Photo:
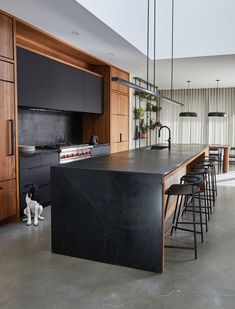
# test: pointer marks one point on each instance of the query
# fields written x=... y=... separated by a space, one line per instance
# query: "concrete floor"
x=32 y=277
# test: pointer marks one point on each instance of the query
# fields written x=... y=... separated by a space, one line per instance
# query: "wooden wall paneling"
x=7 y=71
x=40 y=42
x=8 y=200
x=6 y=36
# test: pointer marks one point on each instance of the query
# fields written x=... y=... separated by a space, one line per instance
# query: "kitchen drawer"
x=96 y=151
x=7 y=199
x=30 y=162
x=105 y=149
x=50 y=158
x=38 y=175
x=6 y=71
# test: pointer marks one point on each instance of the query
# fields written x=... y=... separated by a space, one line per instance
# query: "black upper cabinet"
x=67 y=87
x=93 y=102
x=48 y=84
x=33 y=79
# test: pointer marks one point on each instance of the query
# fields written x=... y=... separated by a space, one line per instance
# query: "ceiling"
x=203 y=54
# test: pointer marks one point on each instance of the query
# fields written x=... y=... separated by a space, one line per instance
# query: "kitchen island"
x=110 y=209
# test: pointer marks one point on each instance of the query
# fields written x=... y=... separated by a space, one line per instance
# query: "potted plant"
x=144 y=127
x=156 y=108
x=138 y=112
x=152 y=125
x=149 y=107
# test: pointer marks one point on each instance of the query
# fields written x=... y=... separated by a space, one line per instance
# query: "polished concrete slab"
x=32 y=277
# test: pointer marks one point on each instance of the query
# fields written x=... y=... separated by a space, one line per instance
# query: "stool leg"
x=167 y=202
x=200 y=215
x=175 y=213
x=194 y=229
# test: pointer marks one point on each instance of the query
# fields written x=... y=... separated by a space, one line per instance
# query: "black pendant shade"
x=187 y=114
x=217 y=114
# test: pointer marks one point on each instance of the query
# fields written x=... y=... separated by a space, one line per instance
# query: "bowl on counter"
x=27 y=148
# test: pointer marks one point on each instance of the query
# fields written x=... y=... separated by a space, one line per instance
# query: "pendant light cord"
x=148 y=9
x=172 y=44
x=217 y=94
x=154 y=47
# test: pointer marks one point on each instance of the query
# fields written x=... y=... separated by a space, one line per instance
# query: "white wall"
x=202 y=27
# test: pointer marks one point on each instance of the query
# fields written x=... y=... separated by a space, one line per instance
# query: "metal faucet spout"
x=169 y=138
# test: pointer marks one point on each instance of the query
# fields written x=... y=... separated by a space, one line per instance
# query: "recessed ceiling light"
x=75 y=33
x=111 y=54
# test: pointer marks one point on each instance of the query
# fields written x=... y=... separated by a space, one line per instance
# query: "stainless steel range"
x=75 y=152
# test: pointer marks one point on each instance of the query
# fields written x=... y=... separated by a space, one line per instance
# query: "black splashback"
x=41 y=127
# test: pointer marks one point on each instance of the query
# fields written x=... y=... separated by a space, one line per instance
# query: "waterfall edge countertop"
x=142 y=160
x=110 y=209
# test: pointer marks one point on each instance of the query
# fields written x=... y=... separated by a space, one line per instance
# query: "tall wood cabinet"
x=8 y=183
x=119 y=107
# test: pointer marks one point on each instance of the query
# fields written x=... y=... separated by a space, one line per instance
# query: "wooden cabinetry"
x=8 y=159
x=118 y=87
x=119 y=107
x=7 y=199
x=6 y=37
x=7 y=131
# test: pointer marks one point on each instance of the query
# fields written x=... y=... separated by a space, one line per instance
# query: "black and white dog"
x=33 y=208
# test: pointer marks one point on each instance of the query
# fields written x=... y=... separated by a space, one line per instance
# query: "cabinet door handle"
x=120 y=137
x=11 y=137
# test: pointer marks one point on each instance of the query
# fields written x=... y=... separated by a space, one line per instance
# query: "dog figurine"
x=33 y=208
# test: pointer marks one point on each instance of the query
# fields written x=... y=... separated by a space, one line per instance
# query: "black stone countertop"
x=143 y=160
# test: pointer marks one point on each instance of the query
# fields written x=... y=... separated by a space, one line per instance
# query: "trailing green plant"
x=139 y=112
x=144 y=127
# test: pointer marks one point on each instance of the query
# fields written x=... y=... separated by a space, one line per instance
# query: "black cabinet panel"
x=93 y=94
x=48 y=84
x=67 y=87
x=29 y=162
x=37 y=170
x=33 y=79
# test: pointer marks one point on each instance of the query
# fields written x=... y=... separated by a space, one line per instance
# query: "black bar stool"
x=202 y=197
x=208 y=189
x=183 y=192
x=211 y=164
x=211 y=176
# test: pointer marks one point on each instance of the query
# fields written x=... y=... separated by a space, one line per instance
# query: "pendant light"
x=217 y=114
x=188 y=113
x=141 y=89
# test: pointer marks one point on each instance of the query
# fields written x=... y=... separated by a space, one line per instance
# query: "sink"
x=158 y=147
